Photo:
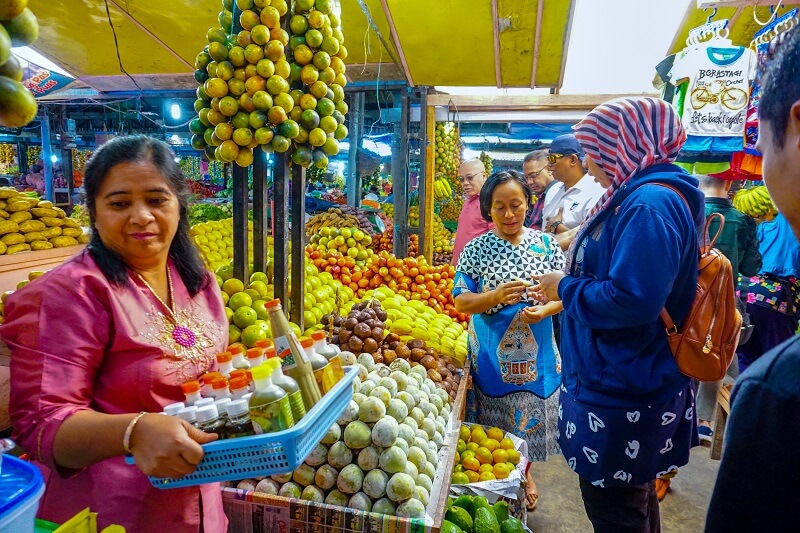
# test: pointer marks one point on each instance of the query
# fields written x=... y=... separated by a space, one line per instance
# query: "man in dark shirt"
x=759 y=475
x=538 y=176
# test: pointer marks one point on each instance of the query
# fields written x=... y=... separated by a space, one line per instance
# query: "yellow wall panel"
x=354 y=27
x=517 y=32
x=555 y=23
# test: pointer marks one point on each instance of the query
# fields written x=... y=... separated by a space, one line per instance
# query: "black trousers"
x=622 y=509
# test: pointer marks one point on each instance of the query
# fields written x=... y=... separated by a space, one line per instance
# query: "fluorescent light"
x=177 y=159
x=29 y=55
x=54 y=158
x=175 y=111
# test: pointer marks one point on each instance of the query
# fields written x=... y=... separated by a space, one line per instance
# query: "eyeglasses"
x=468 y=177
x=534 y=175
x=552 y=158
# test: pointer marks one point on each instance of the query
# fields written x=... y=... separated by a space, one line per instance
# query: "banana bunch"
x=332 y=218
x=487 y=162
x=755 y=202
x=34 y=154
x=441 y=188
x=6 y=153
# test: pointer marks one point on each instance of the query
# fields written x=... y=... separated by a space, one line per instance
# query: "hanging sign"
x=41 y=81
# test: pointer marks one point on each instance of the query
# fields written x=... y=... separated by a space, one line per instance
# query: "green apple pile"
x=319 y=295
x=382 y=454
x=318 y=53
x=18 y=27
x=243 y=99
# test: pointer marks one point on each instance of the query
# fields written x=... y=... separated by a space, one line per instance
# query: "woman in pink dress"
x=102 y=343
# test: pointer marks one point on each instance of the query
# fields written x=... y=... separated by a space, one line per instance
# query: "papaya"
x=485 y=521
x=500 y=509
x=465 y=502
x=449 y=527
x=460 y=517
x=512 y=525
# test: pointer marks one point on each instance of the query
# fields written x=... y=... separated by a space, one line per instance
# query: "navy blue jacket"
x=640 y=255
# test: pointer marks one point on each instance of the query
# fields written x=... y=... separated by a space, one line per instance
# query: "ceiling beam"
x=705 y=4
x=151 y=35
x=525 y=103
x=537 y=39
x=396 y=40
x=498 y=77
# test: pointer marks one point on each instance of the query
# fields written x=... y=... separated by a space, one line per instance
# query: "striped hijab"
x=624 y=137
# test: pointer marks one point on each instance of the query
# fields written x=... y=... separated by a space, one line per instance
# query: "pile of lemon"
x=483 y=455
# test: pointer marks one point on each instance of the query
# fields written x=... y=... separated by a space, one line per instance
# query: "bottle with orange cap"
x=219 y=388
x=323 y=372
x=225 y=363
x=255 y=356
x=238 y=386
x=297 y=364
x=191 y=389
x=239 y=360
x=288 y=384
x=207 y=378
x=330 y=353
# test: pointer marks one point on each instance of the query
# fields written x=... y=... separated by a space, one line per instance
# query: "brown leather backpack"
x=707 y=345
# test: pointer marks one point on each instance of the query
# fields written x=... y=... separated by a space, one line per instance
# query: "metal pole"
x=425 y=194
x=241 y=256
x=298 y=244
x=400 y=181
x=260 y=203
x=46 y=157
x=356 y=132
x=280 y=216
x=22 y=157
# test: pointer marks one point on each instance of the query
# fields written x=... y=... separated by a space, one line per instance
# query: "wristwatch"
x=554 y=226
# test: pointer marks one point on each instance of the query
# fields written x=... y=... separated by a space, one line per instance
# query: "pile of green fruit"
x=18 y=27
x=473 y=514
x=447 y=151
x=318 y=54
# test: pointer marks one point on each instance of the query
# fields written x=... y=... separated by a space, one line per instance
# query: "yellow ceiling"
x=443 y=42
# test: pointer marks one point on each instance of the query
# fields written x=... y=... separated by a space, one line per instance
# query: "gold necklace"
x=182 y=335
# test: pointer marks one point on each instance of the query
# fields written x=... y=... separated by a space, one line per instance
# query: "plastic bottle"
x=173 y=408
x=238 y=387
x=323 y=372
x=239 y=360
x=297 y=365
x=288 y=384
x=239 y=423
x=247 y=396
x=238 y=372
x=222 y=408
x=255 y=356
x=225 y=363
x=189 y=414
x=191 y=389
x=208 y=420
x=220 y=389
x=208 y=400
x=207 y=378
x=269 y=405
x=331 y=353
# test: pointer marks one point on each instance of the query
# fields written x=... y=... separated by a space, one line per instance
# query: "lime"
x=338 y=92
x=252 y=334
x=317 y=137
x=265 y=68
x=262 y=100
x=320 y=159
x=242 y=136
x=325 y=107
x=285 y=101
x=330 y=45
x=328 y=124
x=296 y=94
x=340 y=133
x=238 y=299
x=309 y=74
x=244 y=316
x=236 y=87
x=263 y=136
x=302 y=136
x=202 y=60
x=289 y=129
x=302 y=156
x=234 y=334
x=331 y=146
x=257 y=119
x=259 y=35
x=225 y=272
x=295 y=41
x=301 y=6
x=200 y=76
x=223 y=131
x=197 y=142
x=218 y=51
x=298 y=24
x=327 y=76
x=276 y=85
x=240 y=120
x=280 y=143
x=318 y=89
x=282 y=68
x=323 y=6
x=307 y=101
x=215 y=35
x=295 y=72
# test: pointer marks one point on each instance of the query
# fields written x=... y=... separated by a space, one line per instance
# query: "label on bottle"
x=281 y=344
x=288 y=362
x=297 y=405
x=325 y=378
x=272 y=417
x=336 y=365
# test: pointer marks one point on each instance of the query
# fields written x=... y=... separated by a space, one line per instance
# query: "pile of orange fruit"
x=483 y=455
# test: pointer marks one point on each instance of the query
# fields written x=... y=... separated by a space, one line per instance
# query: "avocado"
x=449 y=527
x=479 y=501
x=465 y=502
x=459 y=517
x=485 y=521
x=500 y=511
x=512 y=525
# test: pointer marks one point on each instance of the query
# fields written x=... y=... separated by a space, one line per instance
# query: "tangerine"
x=486 y=476
x=483 y=455
x=471 y=463
x=472 y=476
x=506 y=443
x=500 y=455
x=496 y=433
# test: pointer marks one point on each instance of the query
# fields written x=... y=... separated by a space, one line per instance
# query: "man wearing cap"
x=570 y=201
x=471 y=176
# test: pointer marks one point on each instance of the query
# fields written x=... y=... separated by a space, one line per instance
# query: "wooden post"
x=241 y=253
x=426 y=230
x=260 y=203
x=280 y=218
x=298 y=244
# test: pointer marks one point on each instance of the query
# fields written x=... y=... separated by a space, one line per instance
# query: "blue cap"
x=566 y=144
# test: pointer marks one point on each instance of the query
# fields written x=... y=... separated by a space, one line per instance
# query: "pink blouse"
x=78 y=343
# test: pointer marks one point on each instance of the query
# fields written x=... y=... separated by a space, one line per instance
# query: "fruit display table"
x=15 y=268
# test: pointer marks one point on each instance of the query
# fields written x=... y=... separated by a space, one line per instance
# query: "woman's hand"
x=547 y=289
x=534 y=314
x=509 y=293
x=166 y=446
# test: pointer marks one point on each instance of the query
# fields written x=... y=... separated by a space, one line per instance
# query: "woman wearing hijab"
x=626 y=413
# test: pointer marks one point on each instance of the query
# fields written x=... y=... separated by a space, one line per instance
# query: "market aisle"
x=683 y=511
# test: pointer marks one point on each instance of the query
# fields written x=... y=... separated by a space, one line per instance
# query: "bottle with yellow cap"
x=330 y=352
x=288 y=384
x=297 y=365
x=269 y=405
x=323 y=372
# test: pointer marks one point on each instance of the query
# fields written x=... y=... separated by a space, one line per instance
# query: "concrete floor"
x=560 y=508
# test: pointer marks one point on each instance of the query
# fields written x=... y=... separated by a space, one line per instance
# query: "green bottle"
x=288 y=384
x=269 y=405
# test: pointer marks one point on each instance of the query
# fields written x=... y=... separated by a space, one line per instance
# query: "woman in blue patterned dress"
x=516 y=367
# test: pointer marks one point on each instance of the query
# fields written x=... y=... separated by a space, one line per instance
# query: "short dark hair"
x=182 y=251
x=781 y=88
x=536 y=155
x=497 y=179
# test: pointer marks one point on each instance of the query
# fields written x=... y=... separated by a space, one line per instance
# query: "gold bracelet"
x=126 y=440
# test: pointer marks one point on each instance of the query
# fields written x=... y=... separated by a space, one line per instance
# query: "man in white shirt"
x=569 y=202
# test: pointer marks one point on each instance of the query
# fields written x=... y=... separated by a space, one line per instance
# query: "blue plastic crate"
x=270 y=453
x=21 y=488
